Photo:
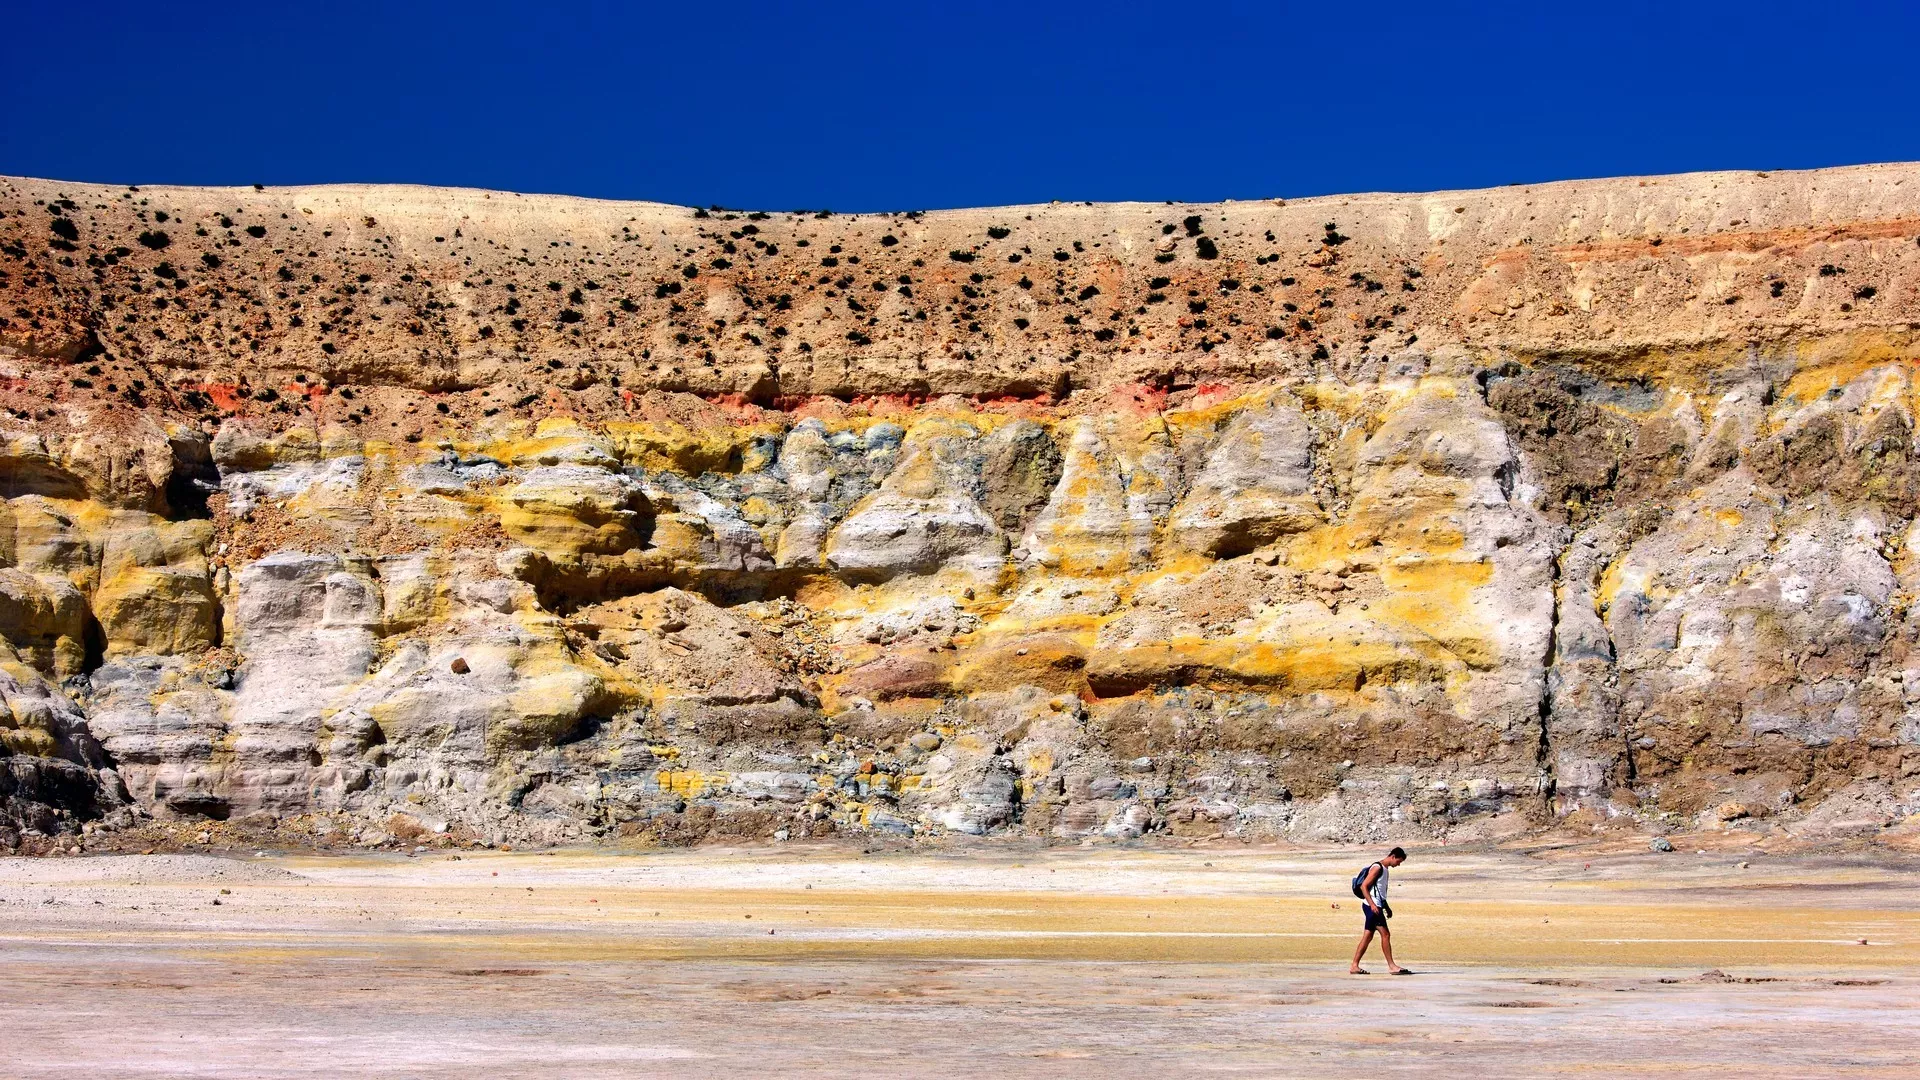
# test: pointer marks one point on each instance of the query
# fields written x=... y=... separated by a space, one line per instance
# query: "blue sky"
x=865 y=106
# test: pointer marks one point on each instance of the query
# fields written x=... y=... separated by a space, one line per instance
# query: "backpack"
x=1360 y=881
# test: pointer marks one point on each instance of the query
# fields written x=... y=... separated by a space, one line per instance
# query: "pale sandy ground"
x=783 y=962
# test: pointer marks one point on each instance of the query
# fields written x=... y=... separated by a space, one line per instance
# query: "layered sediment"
x=384 y=511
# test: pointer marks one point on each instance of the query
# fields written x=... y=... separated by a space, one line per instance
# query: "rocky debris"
x=1256 y=485
x=1101 y=517
x=1530 y=516
x=53 y=776
x=46 y=619
x=924 y=517
x=1021 y=468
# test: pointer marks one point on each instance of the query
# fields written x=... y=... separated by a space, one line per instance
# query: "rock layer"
x=1438 y=515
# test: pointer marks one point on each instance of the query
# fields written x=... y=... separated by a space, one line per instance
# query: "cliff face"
x=1433 y=515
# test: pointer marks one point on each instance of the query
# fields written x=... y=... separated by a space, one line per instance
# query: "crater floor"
x=1009 y=960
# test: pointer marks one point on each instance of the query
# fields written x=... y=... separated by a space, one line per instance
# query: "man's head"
x=1395 y=857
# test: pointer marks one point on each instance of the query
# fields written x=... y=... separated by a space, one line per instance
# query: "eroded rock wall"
x=1450 y=515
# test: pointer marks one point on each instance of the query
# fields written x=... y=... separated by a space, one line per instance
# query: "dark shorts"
x=1375 y=920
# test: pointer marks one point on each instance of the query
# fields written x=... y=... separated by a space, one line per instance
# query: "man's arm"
x=1366 y=885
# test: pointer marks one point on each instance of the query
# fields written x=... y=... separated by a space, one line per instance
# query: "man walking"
x=1372 y=887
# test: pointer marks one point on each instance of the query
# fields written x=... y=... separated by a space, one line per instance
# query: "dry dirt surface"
x=792 y=962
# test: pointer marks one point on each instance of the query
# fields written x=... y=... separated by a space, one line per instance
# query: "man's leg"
x=1360 y=950
x=1386 y=948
